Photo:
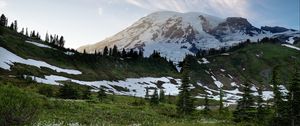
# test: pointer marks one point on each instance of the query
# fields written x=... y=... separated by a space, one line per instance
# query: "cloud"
x=100 y=11
x=3 y=4
x=222 y=8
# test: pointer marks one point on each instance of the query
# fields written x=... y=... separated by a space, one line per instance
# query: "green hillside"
x=257 y=60
x=94 y=68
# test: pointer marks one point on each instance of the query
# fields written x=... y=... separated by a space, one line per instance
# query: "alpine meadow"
x=150 y=63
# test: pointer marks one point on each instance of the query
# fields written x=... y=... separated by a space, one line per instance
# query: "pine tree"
x=105 y=51
x=294 y=99
x=61 y=42
x=147 y=93
x=3 y=20
x=12 y=25
x=101 y=94
x=206 y=105
x=162 y=98
x=123 y=54
x=15 y=25
x=277 y=94
x=170 y=99
x=141 y=53
x=244 y=110
x=154 y=98
x=47 y=39
x=26 y=32
x=22 y=31
x=115 y=51
x=185 y=103
x=38 y=35
x=67 y=91
x=221 y=106
x=86 y=94
x=261 y=114
x=110 y=52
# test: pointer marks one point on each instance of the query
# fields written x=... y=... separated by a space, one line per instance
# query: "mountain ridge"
x=176 y=34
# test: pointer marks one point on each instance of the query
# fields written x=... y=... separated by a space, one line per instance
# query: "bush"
x=68 y=91
x=17 y=107
x=46 y=90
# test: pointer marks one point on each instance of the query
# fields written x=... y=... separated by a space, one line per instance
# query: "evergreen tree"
x=244 y=110
x=154 y=98
x=15 y=25
x=47 y=39
x=110 y=52
x=101 y=94
x=67 y=91
x=105 y=51
x=277 y=94
x=33 y=34
x=147 y=93
x=170 y=99
x=130 y=53
x=61 y=42
x=38 y=36
x=3 y=20
x=261 y=113
x=22 y=31
x=86 y=93
x=26 y=32
x=162 y=98
x=221 y=106
x=115 y=51
x=280 y=107
x=12 y=25
x=141 y=53
x=185 y=103
x=294 y=99
x=206 y=105
x=123 y=54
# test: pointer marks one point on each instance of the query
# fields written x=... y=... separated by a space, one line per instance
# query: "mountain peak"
x=175 y=34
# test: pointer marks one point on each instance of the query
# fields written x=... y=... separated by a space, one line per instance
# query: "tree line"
x=53 y=40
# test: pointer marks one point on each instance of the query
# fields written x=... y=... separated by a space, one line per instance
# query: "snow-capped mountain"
x=176 y=34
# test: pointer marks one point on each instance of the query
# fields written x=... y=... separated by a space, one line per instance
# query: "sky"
x=84 y=22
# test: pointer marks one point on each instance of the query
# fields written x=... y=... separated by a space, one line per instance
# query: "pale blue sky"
x=89 y=21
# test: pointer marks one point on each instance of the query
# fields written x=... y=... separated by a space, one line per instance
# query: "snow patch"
x=69 y=53
x=218 y=83
x=233 y=84
x=291 y=40
x=39 y=44
x=204 y=61
x=290 y=46
x=135 y=86
x=7 y=59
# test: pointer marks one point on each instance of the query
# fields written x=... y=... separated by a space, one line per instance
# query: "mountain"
x=176 y=34
x=26 y=61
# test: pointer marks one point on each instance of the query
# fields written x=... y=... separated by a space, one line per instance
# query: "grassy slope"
x=256 y=68
x=105 y=68
x=120 y=111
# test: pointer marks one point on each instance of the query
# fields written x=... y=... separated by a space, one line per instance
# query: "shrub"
x=46 y=90
x=17 y=107
x=68 y=91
